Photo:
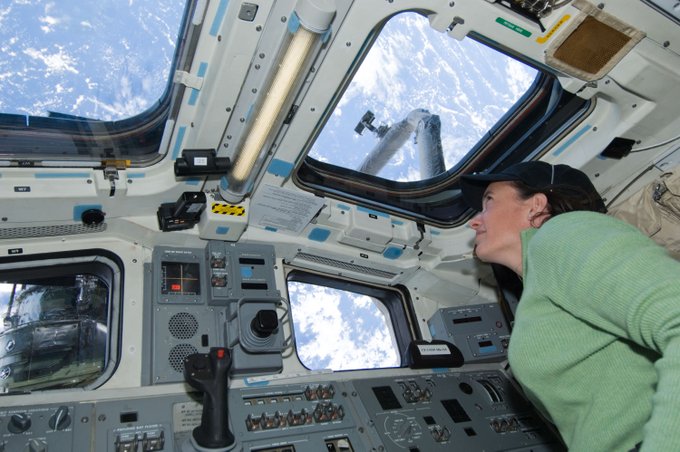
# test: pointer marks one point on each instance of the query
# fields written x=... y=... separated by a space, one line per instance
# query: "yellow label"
x=228 y=209
x=543 y=39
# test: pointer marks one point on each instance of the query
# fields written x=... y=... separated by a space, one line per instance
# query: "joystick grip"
x=209 y=373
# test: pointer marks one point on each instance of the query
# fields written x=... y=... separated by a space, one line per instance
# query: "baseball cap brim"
x=473 y=186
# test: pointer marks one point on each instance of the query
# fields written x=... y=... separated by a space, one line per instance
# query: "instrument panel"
x=466 y=411
x=224 y=296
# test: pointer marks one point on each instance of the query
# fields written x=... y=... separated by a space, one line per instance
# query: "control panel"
x=220 y=303
x=479 y=331
x=467 y=411
x=222 y=295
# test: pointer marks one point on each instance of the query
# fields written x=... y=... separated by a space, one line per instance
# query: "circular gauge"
x=402 y=429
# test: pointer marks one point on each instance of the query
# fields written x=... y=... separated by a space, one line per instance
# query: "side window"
x=56 y=329
x=345 y=326
x=90 y=83
x=419 y=102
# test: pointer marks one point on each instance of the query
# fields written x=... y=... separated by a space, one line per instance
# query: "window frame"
x=437 y=201
x=395 y=300
x=98 y=262
x=60 y=138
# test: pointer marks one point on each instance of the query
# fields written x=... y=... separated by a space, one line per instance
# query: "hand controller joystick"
x=208 y=372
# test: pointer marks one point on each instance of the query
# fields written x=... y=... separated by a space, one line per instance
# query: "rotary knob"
x=19 y=423
x=60 y=420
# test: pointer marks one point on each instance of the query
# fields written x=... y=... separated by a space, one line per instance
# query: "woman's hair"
x=562 y=198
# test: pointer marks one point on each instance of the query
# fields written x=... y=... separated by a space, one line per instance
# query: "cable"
x=656 y=145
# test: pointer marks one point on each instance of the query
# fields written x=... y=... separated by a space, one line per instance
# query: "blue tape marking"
x=219 y=17
x=319 y=234
x=397 y=222
x=61 y=175
x=249 y=112
x=224 y=183
x=256 y=383
x=326 y=36
x=280 y=168
x=78 y=210
x=178 y=143
x=271 y=229
x=571 y=140
x=434 y=232
x=193 y=181
x=222 y=230
x=371 y=211
x=202 y=69
x=246 y=272
x=439 y=370
x=293 y=22
x=136 y=175
x=393 y=253
x=343 y=207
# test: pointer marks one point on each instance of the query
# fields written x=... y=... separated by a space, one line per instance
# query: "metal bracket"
x=188 y=80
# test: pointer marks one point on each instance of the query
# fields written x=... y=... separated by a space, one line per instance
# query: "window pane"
x=413 y=81
x=54 y=331
x=105 y=60
x=341 y=330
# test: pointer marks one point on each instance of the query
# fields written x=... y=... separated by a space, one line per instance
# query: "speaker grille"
x=177 y=355
x=49 y=231
x=183 y=325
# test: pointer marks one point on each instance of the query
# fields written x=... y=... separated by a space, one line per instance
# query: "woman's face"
x=504 y=215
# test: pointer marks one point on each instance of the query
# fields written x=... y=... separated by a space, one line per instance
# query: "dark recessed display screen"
x=180 y=278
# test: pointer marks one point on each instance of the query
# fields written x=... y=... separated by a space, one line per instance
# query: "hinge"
x=188 y=80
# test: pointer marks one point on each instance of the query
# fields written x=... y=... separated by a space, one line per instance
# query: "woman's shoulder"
x=588 y=229
x=586 y=221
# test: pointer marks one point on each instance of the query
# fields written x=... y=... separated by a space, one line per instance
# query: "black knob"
x=265 y=323
x=92 y=217
x=19 y=423
x=60 y=419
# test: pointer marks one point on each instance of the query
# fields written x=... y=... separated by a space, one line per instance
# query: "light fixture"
x=308 y=23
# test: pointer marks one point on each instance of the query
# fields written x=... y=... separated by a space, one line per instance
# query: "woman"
x=596 y=338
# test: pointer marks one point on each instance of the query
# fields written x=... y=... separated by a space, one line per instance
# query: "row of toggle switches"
x=323 y=412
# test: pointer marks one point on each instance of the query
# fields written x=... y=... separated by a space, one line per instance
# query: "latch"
x=111 y=168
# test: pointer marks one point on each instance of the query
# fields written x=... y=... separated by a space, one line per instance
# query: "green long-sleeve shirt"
x=596 y=340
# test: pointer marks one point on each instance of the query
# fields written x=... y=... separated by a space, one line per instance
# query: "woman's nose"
x=476 y=221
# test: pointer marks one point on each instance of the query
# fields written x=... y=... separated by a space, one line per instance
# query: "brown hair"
x=562 y=198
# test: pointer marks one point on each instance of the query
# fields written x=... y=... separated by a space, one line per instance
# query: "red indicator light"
x=175 y=287
x=220 y=353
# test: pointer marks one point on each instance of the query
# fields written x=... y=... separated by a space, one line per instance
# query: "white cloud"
x=49 y=22
x=331 y=333
x=56 y=62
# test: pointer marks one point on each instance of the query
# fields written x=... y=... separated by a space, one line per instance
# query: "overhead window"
x=419 y=108
x=419 y=102
x=341 y=325
x=86 y=83
x=58 y=323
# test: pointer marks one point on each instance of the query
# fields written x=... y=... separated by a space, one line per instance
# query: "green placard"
x=513 y=27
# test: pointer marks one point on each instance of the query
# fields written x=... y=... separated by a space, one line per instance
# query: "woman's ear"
x=539 y=205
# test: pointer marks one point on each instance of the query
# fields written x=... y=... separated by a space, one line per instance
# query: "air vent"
x=50 y=231
x=592 y=43
x=344 y=265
